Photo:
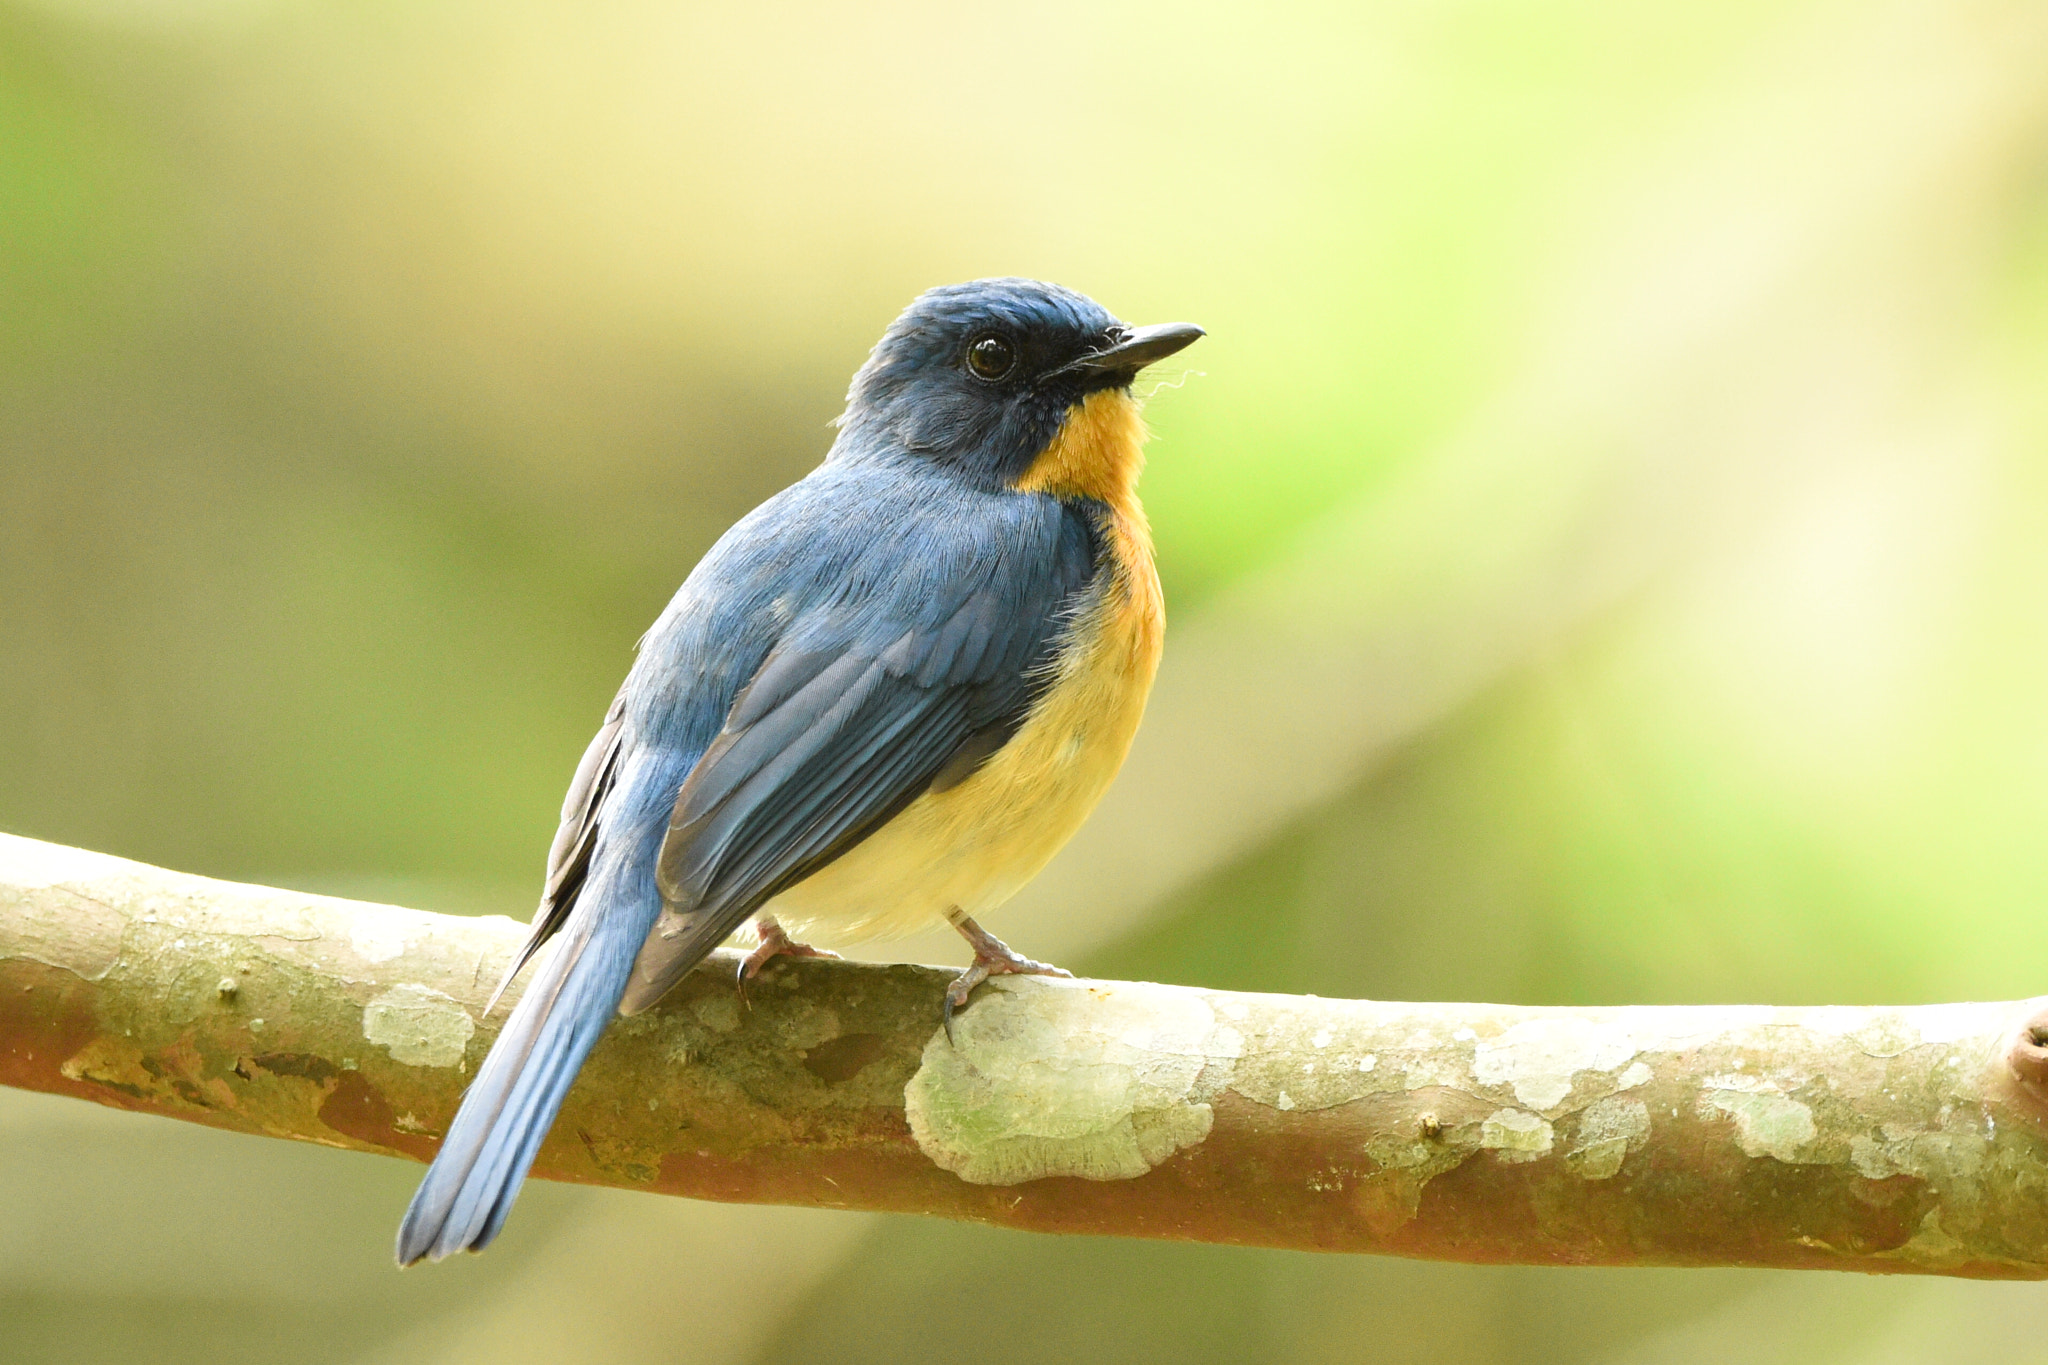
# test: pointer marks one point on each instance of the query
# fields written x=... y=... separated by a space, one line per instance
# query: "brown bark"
x=1883 y=1139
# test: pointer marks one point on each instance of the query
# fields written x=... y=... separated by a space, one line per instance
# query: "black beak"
x=1135 y=351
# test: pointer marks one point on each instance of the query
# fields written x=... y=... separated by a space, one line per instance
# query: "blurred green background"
x=1606 y=537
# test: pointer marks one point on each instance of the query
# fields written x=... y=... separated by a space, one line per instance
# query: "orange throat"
x=1098 y=453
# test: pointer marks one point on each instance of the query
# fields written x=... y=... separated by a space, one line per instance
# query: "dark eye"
x=991 y=357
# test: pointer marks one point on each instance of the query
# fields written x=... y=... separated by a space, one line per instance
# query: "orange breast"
x=1099 y=453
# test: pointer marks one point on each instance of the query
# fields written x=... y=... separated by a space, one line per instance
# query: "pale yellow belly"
x=969 y=848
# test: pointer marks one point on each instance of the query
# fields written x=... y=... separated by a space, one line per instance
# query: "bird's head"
x=1011 y=383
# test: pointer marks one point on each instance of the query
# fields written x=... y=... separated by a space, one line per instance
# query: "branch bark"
x=1882 y=1139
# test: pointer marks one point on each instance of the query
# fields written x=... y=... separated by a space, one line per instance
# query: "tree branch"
x=1882 y=1139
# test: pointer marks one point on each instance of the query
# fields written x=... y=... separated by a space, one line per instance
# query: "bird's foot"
x=992 y=957
x=774 y=943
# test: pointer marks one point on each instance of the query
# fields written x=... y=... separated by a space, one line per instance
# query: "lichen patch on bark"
x=1517 y=1135
x=1540 y=1058
x=1314 y=1055
x=1047 y=1077
x=419 y=1026
x=1767 y=1123
x=1608 y=1130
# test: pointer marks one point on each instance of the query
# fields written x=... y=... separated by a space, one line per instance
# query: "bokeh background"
x=1606 y=537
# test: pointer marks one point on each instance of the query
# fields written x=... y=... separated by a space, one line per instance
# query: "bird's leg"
x=774 y=943
x=992 y=957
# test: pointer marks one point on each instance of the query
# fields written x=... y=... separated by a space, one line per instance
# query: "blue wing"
x=865 y=702
x=859 y=638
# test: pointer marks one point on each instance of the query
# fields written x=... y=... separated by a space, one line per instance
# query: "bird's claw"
x=774 y=943
x=992 y=957
x=956 y=994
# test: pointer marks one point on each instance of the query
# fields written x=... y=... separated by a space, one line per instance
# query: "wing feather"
x=575 y=838
x=849 y=719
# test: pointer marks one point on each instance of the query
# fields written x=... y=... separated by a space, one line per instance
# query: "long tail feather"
x=467 y=1192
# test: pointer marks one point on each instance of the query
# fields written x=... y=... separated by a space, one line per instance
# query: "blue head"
x=981 y=377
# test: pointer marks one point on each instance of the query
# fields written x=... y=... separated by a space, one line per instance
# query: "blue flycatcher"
x=886 y=697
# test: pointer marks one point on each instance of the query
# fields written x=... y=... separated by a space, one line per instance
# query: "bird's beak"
x=1137 y=350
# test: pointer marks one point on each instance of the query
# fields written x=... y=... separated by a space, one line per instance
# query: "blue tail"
x=483 y=1161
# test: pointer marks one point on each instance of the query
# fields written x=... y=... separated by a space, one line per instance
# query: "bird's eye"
x=991 y=357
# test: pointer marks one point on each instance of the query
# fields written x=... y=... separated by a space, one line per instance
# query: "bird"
x=881 y=701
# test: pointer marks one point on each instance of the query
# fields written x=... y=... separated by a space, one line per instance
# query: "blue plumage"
x=870 y=636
